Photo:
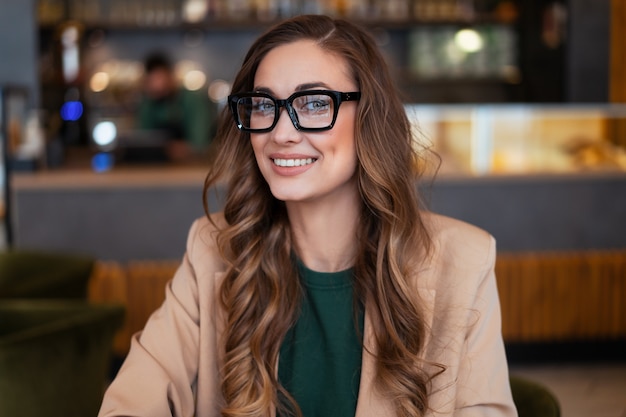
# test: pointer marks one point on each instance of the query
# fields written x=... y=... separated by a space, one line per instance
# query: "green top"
x=320 y=358
x=185 y=115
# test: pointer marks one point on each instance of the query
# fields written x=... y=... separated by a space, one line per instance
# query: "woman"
x=321 y=290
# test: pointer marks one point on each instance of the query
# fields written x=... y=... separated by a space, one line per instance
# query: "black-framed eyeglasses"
x=309 y=110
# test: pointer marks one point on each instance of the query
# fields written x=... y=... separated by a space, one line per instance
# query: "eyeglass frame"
x=338 y=97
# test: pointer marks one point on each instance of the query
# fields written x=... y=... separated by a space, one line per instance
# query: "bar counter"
x=561 y=241
x=144 y=212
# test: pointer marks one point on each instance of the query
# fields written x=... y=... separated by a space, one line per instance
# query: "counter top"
x=143 y=176
x=77 y=173
x=193 y=175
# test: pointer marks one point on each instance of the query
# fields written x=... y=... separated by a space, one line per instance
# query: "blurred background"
x=107 y=109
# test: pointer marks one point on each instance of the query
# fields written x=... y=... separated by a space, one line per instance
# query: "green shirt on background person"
x=184 y=115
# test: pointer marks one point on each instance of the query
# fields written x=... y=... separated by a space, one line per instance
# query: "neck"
x=325 y=234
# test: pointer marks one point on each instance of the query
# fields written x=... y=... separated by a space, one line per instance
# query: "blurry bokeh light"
x=102 y=162
x=99 y=81
x=70 y=54
x=219 y=90
x=104 y=134
x=183 y=67
x=468 y=40
x=194 y=80
x=71 y=111
x=195 y=10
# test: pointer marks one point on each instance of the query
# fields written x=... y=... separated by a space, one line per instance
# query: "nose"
x=285 y=131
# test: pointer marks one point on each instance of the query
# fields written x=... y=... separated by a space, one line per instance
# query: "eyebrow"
x=301 y=87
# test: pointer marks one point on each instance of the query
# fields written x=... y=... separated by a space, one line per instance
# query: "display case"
x=509 y=139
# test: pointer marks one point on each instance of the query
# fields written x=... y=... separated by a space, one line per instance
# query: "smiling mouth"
x=293 y=162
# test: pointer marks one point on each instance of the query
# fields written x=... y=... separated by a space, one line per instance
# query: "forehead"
x=289 y=66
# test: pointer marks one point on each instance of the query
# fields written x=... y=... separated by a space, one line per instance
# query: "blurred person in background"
x=186 y=119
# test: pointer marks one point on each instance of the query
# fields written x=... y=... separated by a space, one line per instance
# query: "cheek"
x=345 y=142
x=258 y=146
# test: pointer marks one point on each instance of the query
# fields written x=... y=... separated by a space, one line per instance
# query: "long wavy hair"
x=261 y=292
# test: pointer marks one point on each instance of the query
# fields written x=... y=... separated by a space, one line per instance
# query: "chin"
x=289 y=197
x=289 y=193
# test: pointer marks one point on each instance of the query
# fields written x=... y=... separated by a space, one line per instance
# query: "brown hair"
x=261 y=293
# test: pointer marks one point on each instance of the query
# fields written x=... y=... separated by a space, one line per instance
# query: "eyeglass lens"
x=312 y=111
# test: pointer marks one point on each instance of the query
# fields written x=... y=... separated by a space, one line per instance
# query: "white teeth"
x=293 y=162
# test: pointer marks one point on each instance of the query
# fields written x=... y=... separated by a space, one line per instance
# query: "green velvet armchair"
x=32 y=274
x=55 y=356
x=532 y=399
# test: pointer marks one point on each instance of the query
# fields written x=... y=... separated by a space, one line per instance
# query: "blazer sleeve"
x=483 y=379
x=158 y=376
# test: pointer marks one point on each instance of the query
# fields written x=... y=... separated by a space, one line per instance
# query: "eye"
x=313 y=104
x=263 y=105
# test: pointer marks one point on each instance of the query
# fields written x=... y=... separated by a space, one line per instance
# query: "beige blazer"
x=172 y=367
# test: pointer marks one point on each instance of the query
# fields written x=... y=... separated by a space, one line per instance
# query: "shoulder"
x=202 y=247
x=468 y=243
x=459 y=251
x=458 y=246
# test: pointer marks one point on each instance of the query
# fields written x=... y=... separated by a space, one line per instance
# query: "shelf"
x=450 y=81
x=256 y=25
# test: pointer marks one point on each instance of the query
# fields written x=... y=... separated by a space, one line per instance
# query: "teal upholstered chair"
x=533 y=399
x=55 y=356
x=31 y=274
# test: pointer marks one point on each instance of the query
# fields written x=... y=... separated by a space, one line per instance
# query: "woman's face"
x=320 y=166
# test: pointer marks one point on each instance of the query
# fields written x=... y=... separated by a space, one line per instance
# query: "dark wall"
x=574 y=66
x=588 y=52
x=18 y=46
x=542 y=64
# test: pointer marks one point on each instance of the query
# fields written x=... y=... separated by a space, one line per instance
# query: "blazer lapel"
x=372 y=403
